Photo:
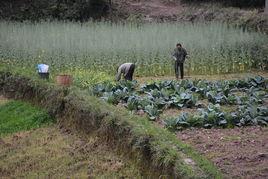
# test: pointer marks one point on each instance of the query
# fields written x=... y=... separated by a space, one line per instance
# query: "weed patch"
x=18 y=116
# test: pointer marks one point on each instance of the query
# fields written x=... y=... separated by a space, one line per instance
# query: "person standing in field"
x=127 y=69
x=179 y=56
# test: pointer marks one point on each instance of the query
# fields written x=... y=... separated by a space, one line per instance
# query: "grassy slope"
x=48 y=152
x=17 y=116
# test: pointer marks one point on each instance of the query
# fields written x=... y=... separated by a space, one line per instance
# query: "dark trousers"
x=129 y=74
x=44 y=75
x=177 y=66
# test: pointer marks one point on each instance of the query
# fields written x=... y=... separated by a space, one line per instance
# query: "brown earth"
x=238 y=153
x=52 y=152
x=143 y=80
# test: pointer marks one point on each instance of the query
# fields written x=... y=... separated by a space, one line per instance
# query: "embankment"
x=157 y=150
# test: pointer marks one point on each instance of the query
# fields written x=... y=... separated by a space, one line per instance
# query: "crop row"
x=248 y=96
x=102 y=46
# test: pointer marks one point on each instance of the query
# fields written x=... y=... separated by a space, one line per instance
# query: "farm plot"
x=214 y=104
x=237 y=152
x=84 y=50
x=32 y=146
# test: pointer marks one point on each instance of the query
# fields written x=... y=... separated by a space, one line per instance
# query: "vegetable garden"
x=91 y=52
x=247 y=101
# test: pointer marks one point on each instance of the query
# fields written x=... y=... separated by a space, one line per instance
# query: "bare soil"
x=143 y=80
x=238 y=153
x=51 y=152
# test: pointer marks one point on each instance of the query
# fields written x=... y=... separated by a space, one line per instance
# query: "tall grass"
x=214 y=48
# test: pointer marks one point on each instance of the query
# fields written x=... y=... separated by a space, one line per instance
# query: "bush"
x=53 y=9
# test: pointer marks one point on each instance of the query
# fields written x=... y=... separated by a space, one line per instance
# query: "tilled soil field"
x=239 y=152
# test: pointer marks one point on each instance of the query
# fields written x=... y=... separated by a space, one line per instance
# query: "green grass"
x=82 y=78
x=19 y=116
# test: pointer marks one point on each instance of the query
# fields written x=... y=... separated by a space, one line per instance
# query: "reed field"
x=213 y=48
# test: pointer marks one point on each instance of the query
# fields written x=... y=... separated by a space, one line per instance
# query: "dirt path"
x=143 y=80
x=238 y=152
x=51 y=152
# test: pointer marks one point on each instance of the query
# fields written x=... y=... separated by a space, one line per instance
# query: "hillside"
x=163 y=10
x=133 y=10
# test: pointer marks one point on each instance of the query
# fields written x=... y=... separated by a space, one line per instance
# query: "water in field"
x=213 y=48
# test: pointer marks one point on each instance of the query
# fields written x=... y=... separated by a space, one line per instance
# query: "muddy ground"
x=238 y=153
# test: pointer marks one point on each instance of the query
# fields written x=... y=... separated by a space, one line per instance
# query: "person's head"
x=178 y=45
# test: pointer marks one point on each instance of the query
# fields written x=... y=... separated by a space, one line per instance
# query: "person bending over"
x=179 y=56
x=127 y=69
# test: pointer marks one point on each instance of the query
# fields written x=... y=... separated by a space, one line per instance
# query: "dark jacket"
x=179 y=54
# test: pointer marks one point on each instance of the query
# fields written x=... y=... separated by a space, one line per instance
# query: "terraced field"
x=48 y=151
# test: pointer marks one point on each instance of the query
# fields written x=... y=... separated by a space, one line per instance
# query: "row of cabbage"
x=247 y=97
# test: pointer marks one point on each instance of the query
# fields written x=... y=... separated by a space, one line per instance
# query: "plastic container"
x=64 y=80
